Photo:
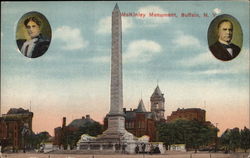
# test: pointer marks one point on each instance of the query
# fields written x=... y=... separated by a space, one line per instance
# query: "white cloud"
x=102 y=59
x=127 y=24
x=153 y=21
x=71 y=38
x=213 y=71
x=217 y=11
x=185 y=40
x=238 y=65
x=141 y=51
x=200 y=59
x=104 y=25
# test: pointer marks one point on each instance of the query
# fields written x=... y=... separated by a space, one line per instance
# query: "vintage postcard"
x=134 y=68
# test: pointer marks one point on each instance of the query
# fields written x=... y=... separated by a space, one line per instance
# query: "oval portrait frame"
x=212 y=37
x=33 y=47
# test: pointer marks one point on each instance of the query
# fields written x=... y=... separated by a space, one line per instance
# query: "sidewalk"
x=173 y=155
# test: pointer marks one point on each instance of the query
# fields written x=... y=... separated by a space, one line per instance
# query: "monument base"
x=128 y=148
x=142 y=145
x=115 y=138
x=116 y=131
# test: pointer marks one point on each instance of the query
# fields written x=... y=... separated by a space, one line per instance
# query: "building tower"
x=141 y=107
x=158 y=104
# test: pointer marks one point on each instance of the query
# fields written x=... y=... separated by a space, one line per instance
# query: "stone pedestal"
x=108 y=147
x=117 y=135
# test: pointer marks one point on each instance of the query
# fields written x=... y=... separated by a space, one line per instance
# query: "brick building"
x=139 y=121
x=75 y=125
x=13 y=126
x=188 y=114
x=3 y=131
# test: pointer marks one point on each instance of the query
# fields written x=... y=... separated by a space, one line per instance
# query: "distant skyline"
x=72 y=78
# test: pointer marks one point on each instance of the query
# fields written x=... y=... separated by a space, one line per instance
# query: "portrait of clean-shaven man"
x=34 y=35
x=224 y=47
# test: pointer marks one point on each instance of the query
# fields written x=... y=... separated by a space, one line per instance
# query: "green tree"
x=35 y=140
x=31 y=140
x=230 y=139
x=91 y=128
x=43 y=136
x=234 y=139
x=192 y=133
x=225 y=140
x=245 y=139
x=166 y=133
x=71 y=137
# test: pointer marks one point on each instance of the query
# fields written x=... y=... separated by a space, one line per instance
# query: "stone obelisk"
x=116 y=133
x=116 y=119
x=116 y=91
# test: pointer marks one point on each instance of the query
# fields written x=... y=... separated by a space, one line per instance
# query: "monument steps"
x=87 y=152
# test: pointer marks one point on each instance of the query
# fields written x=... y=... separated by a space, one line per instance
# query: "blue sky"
x=73 y=77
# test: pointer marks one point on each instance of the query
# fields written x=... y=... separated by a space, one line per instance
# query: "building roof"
x=81 y=122
x=131 y=115
x=58 y=128
x=188 y=114
x=17 y=114
x=116 y=6
x=157 y=92
x=18 y=111
x=191 y=109
x=141 y=107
